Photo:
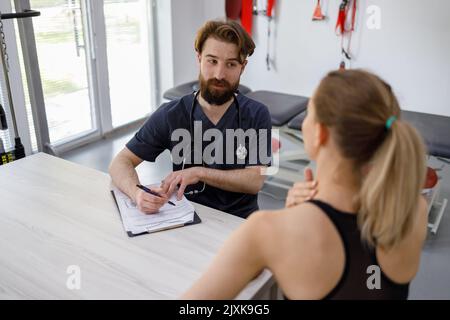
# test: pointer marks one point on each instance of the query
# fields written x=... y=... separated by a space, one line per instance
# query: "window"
x=127 y=32
x=94 y=64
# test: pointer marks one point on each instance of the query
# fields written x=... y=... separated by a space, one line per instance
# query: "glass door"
x=128 y=49
x=63 y=56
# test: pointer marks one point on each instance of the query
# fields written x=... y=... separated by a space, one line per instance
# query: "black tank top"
x=359 y=279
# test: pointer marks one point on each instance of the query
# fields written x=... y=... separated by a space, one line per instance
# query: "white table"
x=55 y=214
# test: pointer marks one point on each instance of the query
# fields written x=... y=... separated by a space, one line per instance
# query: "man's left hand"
x=183 y=178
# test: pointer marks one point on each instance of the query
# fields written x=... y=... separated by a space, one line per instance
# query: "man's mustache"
x=216 y=82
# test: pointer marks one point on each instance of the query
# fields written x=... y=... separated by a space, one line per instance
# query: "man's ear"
x=244 y=64
x=199 y=57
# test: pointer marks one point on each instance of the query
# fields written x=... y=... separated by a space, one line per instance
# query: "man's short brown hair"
x=227 y=31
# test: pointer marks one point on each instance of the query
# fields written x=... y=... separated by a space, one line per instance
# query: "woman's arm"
x=238 y=262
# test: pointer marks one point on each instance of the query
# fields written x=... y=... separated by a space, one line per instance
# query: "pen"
x=152 y=192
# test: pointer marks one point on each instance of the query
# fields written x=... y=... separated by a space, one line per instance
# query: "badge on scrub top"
x=241 y=152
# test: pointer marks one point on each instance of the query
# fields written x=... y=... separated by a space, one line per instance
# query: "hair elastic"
x=390 y=121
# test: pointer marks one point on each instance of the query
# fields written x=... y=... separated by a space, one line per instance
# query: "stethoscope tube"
x=241 y=151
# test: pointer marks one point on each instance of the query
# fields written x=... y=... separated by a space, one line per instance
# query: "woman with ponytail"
x=360 y=234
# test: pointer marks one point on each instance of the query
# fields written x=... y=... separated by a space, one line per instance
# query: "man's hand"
x=183 y=178
x=302 y=191
x=149 y=203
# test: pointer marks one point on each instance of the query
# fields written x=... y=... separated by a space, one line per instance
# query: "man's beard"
x=216 y=96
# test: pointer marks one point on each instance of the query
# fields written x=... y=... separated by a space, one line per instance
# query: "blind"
x=25 y=88
x=7 y=136
x=26 y=92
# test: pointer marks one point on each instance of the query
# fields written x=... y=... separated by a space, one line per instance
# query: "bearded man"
x=232 y=186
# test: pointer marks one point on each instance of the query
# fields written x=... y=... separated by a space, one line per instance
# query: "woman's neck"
x=338 y=181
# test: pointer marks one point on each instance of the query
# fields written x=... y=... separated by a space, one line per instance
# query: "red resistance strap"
x=340 y=26
x=353 y=16
x=342 y=17
x=233 y=9
x=247 y=15
x=270 y=6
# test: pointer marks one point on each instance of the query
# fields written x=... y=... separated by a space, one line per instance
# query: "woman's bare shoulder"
x=304 y=224
x=301 y=246
x=306 y=213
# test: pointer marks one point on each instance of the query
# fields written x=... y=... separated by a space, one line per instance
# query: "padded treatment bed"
x=189 y=87
x=282 y=107
x=434 y=129
x=296 y=122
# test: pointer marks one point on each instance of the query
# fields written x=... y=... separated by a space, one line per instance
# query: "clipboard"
x=196 y=220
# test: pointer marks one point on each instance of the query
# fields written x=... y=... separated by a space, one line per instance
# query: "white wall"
x=188 y=17
x=178 y=22
x=165 y=45
x=411 y=50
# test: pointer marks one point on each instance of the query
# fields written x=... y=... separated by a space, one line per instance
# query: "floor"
x=433 y=278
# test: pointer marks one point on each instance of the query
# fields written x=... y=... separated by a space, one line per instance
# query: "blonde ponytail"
x=391 y=189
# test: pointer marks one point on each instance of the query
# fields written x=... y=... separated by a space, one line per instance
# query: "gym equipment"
x=19 y=150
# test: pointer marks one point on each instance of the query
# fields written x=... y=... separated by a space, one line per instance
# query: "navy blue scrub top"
x=155 y=136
